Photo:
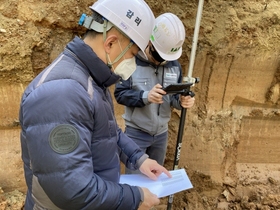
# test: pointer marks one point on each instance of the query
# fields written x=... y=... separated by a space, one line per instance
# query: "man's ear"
x=109 y=42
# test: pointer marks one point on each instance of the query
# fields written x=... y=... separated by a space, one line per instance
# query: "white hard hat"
x=168 y=36
x=133 y=17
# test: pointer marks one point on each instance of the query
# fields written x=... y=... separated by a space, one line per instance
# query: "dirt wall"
x=231 y=140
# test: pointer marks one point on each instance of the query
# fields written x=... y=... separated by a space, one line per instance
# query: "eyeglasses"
x=155 y=54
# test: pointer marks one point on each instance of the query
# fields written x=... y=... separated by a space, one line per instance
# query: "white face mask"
x=126 y=68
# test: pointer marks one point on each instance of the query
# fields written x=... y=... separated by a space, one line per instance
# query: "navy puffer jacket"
x=71 y=143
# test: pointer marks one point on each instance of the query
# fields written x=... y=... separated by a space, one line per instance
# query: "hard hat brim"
x=170 y=57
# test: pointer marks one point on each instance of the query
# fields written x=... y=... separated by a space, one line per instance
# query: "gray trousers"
x=154 y=146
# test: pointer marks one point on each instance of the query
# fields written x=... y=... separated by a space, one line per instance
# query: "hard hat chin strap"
x=109 y=63
x=90 y=23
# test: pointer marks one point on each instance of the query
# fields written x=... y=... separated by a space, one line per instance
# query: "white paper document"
x=163 y=186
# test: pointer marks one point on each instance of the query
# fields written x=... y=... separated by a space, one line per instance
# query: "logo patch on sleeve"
x=64 y=139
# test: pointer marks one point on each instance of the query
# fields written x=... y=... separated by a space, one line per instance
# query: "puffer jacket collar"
x=99 y=71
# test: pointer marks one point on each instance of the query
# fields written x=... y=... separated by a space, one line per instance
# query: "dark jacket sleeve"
x=130 y=152
x=68 y=179
x=127 y=96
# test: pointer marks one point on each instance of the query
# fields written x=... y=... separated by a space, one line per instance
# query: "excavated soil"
x=231 y=142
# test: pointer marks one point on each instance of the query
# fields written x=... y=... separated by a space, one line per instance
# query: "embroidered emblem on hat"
x=64 y=139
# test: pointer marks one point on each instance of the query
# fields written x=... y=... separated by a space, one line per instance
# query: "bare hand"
x=150 y=200
x=155 y=94
x=152 y=169
x=187 y=101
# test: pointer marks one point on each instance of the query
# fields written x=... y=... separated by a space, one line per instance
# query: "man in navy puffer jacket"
x=71 y=143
